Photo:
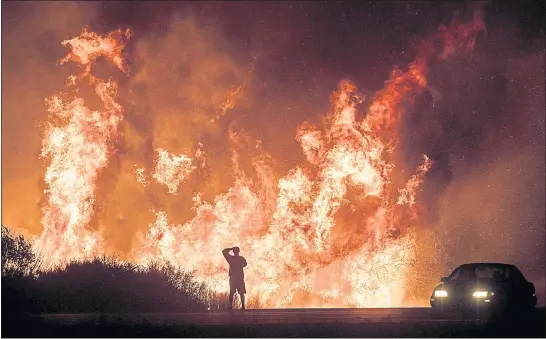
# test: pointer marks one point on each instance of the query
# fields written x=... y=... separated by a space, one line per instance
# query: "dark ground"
x=408 y=322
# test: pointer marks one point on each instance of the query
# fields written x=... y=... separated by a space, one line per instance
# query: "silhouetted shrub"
x=19 y=268
x=18 y=259
x=105 y=285
x=102 y=285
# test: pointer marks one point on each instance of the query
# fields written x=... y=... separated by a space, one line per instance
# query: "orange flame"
x=78 y=150
x=407 y=194
x=140 y=174
x=171 y=169
x=387 y=106
x=231 y=100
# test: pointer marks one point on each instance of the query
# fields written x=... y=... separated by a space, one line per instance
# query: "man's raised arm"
x=226 y=254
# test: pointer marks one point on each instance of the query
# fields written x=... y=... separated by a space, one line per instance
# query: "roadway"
x=379 y=322
x=261 y=316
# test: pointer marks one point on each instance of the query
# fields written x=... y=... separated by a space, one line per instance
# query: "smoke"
x=482 y=123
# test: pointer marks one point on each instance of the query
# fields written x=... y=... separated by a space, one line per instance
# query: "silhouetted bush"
x=18 y=259
x=102 y=285
x=19 y=268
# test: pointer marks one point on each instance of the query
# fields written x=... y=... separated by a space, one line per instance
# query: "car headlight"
x=440 y=294
x=480 y=294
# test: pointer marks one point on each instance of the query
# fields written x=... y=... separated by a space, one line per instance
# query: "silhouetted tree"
x=19 y=268
x=18 y=259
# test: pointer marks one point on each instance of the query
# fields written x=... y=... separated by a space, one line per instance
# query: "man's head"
x=236 y=250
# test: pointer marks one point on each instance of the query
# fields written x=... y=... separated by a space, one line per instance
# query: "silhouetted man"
x=236 y=274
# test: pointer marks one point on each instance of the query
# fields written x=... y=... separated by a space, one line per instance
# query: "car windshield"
x=465 y=273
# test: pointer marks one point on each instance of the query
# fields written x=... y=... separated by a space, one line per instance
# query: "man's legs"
x=232 y=289
x=231 y=294
x=241 y=288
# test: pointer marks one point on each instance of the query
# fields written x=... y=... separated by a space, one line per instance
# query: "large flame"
x=336 y=231
x=78 y=147
x=361 y=264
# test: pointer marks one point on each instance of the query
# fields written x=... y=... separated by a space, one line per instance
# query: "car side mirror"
x=444 y=279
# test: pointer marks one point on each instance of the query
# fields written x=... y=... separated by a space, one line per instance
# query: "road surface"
x=383 y=322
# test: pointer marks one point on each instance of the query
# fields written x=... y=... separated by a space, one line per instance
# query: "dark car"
x=485 y=288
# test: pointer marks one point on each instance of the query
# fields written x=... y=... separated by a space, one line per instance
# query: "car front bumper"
x=469 y=303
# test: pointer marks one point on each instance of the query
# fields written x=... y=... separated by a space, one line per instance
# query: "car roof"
x=492 y=264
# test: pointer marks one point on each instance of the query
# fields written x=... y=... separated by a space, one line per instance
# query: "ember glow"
x=335 y=231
